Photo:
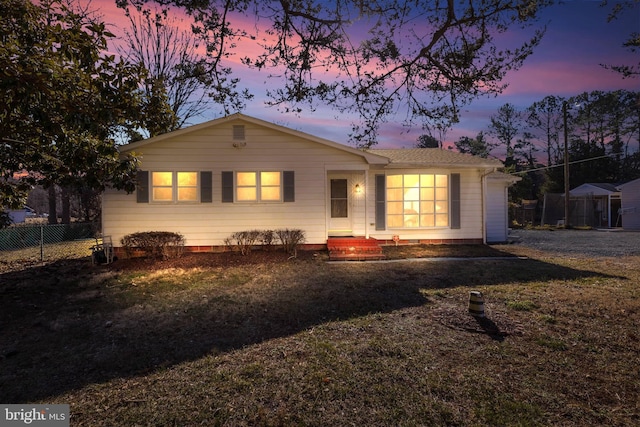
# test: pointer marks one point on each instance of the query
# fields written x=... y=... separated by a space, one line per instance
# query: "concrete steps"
x=353 y=249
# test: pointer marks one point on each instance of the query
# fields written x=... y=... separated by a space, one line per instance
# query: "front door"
x=339 y=208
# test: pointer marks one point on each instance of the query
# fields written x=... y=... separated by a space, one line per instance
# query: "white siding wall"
x=470 y=209
x=496 y=210
x=630 y=199
x=211 y=149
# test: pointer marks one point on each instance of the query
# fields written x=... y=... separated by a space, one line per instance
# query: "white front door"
x=340 y=216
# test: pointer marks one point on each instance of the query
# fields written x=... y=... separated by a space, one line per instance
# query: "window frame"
x=258 y=186
x=175 y=187
x=417 y=200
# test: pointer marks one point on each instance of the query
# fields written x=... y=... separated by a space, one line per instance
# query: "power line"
x=562 y=164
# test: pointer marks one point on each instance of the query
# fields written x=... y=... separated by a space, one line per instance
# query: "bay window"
x=417 y=200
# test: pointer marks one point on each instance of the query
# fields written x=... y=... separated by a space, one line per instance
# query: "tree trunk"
x=66 y=205
x=53 y=208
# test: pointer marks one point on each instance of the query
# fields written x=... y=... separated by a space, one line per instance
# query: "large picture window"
x=174 y=186
x=259 y=186
x=417 y=200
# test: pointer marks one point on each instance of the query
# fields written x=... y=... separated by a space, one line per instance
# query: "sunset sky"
x=566 y=63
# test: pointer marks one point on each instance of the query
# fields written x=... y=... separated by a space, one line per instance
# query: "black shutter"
x=227 y=187
x=455 y=200
x=380 y=202
x=288 y=187
x=142 y=187
x=206 y=187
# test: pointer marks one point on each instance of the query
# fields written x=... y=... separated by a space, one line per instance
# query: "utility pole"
x=566 y=166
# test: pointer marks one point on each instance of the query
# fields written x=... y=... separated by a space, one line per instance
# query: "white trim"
x=366 y=204
x=258 y=187
x=174 y=188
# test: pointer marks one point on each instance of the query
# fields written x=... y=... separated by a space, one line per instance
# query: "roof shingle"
x=433 y=157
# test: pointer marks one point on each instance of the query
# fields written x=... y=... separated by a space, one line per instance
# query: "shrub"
x=154 y=244
x=5 y=220
x=229 y=243
x=290 y=239
x=245 y=240
x=268 y=238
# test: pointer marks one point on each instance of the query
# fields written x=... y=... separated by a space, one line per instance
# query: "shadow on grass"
x=62 y=330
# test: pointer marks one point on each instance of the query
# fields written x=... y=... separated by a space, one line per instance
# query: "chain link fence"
x=584 y=210
x=28 y=243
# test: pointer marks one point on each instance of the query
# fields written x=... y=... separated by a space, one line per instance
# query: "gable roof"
x=630 y=183
x=501 y=176
x=433 y=157
x=370 y=158
x=608 y=187
x=595 y=188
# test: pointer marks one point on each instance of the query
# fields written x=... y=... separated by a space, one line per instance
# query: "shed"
x=600 y=203
x=630 y=205
x=18 y=216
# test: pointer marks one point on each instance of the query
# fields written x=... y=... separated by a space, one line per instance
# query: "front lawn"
x=265 y=340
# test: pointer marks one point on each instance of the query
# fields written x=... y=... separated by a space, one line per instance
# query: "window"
x=187 y=186
x=259 y=186
x=339 y=199
x=417 y=200
x=162 y=184
x=174 y=186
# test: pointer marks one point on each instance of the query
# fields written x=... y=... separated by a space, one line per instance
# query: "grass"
x=302 y=342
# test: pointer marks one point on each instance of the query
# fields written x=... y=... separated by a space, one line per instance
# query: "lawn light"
x=476 y=304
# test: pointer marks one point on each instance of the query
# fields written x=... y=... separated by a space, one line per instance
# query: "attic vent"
x=238 y=132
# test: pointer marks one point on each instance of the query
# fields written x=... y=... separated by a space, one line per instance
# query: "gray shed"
x=630 y=209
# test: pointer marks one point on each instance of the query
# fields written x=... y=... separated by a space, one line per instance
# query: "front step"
x=354 y=249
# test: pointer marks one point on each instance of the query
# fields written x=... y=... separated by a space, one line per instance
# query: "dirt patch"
x=590 y=243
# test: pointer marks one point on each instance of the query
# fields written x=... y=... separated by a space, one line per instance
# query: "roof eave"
x=441 y=165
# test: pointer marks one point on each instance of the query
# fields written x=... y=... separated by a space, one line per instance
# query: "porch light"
x=358 y=189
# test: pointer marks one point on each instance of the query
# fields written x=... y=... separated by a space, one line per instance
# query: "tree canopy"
x=632 y=43
x=63 y=98
x=421 y=59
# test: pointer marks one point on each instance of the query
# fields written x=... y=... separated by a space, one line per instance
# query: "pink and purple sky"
x=566 y=63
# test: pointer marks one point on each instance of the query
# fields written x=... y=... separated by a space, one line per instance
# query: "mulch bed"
x=213 y=260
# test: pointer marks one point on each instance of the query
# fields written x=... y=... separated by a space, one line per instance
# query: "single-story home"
x=630 y=206
x=240 y=173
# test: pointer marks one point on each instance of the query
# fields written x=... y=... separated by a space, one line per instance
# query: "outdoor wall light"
x=358 y=189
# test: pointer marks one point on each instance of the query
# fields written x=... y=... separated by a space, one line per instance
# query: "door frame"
x=339 y=226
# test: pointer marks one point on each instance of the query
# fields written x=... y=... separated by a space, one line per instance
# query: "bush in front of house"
x=268 y=239
x=245 y=240
x=290 y=239
x=154 y=244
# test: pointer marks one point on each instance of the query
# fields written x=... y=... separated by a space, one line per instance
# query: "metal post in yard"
x=566 y=167
x=41 y=243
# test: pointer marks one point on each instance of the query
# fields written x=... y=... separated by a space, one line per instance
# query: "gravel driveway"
x=591 y=243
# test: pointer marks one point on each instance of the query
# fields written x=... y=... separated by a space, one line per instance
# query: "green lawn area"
x=268 y=341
